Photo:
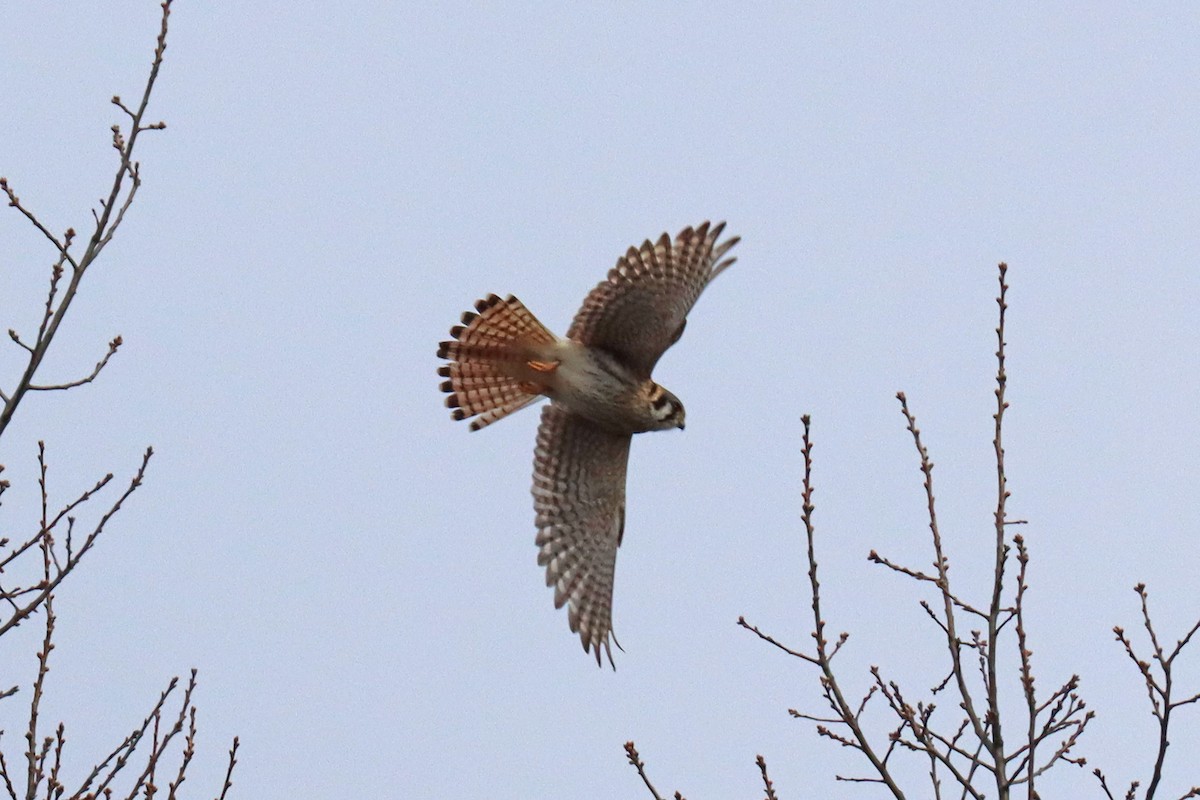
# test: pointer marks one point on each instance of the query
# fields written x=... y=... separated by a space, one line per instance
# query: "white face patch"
x=664 y=406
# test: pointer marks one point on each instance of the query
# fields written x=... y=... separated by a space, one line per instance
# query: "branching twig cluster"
x=1159 y=677
x=107 y=219
x=632 y=754
x=59 y=558
x=27 y=583
x=978 y=750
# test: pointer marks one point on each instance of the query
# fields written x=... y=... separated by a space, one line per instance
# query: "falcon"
x=502 y=359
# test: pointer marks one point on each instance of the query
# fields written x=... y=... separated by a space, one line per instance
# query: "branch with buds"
x=28 y=583
x=978 y=750
x=107 y=219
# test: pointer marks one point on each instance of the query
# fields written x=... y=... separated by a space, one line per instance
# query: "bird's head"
x=665 y=408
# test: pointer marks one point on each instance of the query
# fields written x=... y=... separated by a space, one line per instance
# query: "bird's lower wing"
x=579 y=497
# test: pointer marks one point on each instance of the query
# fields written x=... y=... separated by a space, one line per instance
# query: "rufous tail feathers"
x=496 y=358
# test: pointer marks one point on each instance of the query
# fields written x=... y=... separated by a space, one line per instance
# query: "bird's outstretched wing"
x=639 y=310
x=579 y=496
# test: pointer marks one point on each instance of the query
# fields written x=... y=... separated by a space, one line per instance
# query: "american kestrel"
x=598 y=381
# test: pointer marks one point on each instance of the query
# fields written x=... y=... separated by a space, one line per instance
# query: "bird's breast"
x=595 y=384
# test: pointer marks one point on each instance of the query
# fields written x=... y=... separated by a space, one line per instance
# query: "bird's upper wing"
x=638 y=311
x=579 y=496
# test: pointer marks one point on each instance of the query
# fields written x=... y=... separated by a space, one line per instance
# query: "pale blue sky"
x=355 y=575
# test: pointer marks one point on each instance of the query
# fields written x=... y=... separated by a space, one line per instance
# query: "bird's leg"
x=542 y=366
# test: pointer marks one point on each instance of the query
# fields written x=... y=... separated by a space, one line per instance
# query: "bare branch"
x=228 y=784
x=8 y=784
x=768 y=787
x=1027 y=679
x=112 y=349
x=111 y=766
x=189 y=750
x=15 y=202
x=632 y=754
x=160 y=745
x=112 y=213
x=996 y=743
x=51 y=583
x=31 y=733
x=917 y=575
x=952 y=638
x=742 y=622
x=43 y=754
x=833 y=692
x=1159 y=688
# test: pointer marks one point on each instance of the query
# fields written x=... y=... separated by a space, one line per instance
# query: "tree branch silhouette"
x=61 y=539
x=980 y=750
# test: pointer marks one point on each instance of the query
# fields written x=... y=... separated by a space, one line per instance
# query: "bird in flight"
x=598 y=380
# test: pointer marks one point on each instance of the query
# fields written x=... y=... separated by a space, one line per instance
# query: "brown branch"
x=996 y=743
x=31 y=734
x=917 y=575
x=952 y=638
x=50 y=584
x=44 y=753
x=927 y=740
x=1182 y=643
x=189 y=750
x=767 y=785
x=160 y=745
x=8 y=784
x=106 y=226
x=54 y=786
x=49 y=525
x=228 y=784
x=119 y=757
x=810 y=659
x=59 y=245
x=113 y=346
x=1159 y=691
x=1027 y=678
x=829 y=679
x=1104 y=784
x=632 y=754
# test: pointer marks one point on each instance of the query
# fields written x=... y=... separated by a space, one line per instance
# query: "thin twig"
x=31 y=734
x=767 y=785
x=742 y=623
x=844 y=710
x=113 y=346
x=952 y=638
x=632 y=754
x=996 y=742
x=112 y=213
x=51 y=584
x=112 y=765
x=228 y=784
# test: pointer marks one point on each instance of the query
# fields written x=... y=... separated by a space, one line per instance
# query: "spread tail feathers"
x=496 y=358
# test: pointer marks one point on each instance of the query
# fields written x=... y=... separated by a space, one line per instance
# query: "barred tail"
x=495 y=361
